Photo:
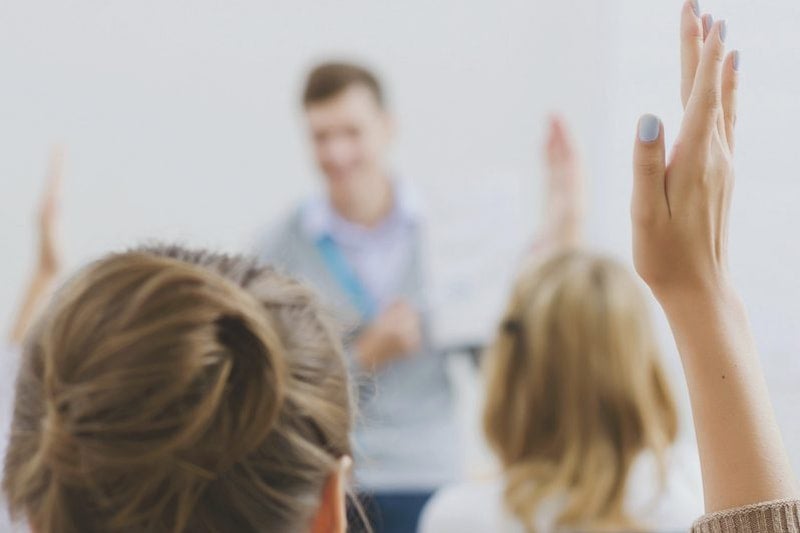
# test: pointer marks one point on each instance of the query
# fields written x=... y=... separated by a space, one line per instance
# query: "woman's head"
x=169 y=390
x=575 y=388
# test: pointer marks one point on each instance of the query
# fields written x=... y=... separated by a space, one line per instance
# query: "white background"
x=181 y=120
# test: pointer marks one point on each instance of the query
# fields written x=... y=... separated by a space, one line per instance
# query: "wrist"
x=44 y=276
x=711 y=321
x=569 y=235
x=718 y=295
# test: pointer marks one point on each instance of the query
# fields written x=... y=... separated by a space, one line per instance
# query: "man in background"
x=360 y=245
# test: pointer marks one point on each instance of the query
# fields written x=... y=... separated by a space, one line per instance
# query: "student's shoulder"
x=464 y=507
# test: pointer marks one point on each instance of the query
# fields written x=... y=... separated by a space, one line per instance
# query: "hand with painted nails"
x=395 y=333
x=680 y=205
x=680 y=210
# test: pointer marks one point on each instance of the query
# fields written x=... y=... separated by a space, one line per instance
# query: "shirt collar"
x=321 y=219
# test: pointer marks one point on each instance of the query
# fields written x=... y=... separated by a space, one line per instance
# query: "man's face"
x=350 y=134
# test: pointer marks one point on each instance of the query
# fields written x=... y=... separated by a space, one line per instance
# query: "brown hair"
x=576 y=391
x=328 y=80
x=168 y=390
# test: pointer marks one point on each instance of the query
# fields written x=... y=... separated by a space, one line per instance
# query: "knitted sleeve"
x=781 y=516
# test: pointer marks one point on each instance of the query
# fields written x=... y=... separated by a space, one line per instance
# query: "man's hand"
x=395 y=333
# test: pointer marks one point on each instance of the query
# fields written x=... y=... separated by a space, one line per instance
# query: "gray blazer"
x=406 y=436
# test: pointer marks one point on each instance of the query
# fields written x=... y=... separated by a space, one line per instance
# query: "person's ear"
x=331 y=517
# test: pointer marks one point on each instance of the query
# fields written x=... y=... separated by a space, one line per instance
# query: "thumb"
x=649 y=200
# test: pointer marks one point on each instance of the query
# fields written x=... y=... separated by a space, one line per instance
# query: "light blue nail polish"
x=736 y=60
x=649 y=128
x=723 y=30
x=696 y=8
x=708 y=21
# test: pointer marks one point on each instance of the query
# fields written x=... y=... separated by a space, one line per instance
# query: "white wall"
x=181 y=121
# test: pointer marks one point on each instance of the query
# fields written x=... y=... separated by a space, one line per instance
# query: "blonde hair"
x=576 y=391
x=169 y=390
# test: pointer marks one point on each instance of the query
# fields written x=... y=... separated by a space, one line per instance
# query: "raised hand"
x=565 y=189
x=49 y=262
x=680 y=205
x=680 y=210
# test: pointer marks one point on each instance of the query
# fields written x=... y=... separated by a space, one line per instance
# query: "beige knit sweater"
x=782 y=516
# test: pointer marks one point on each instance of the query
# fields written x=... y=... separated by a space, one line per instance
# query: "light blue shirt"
x=380 y=255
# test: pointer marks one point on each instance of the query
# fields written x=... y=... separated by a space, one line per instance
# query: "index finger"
x=691 y=46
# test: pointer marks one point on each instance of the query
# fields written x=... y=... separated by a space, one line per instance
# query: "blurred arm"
x=565 y=203
x=48 y=263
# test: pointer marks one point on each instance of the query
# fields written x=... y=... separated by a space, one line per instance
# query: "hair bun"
x=253 y=368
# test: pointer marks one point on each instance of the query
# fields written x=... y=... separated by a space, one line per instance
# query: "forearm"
x=742 y=455
x=557 y=236
x=35 y=292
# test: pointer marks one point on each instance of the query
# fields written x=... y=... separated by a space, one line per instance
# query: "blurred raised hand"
x=565 y=190
x=49 y=260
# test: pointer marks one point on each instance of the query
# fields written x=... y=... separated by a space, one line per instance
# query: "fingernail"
x=649 y=128
x=696 y=8
x=736 y=60
x=708 y=21
x=723 y=30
